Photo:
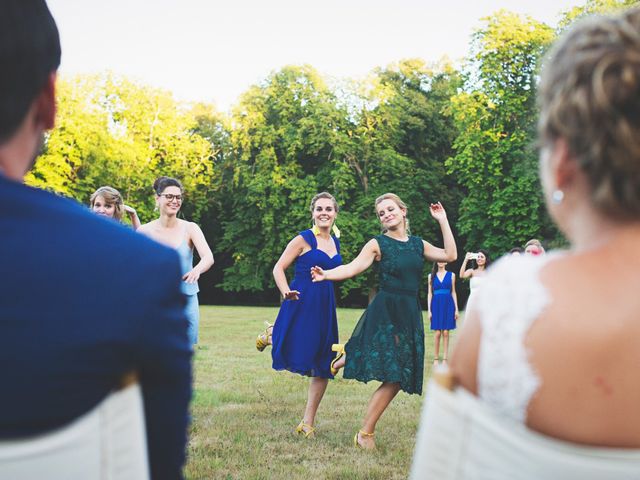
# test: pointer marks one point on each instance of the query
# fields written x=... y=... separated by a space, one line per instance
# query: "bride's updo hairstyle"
x=590 y=96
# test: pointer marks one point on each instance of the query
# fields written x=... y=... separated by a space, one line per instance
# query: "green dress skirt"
x=388 y=342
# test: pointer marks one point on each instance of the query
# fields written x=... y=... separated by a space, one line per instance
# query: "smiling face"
x=324 y=213
x=103 y=208
x=391 y=215
x=169 y=201
x=481 y=260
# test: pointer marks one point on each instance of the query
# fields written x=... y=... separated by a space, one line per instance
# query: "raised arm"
x=450 y=252
x=133 y=217
x=204 y=252
x=454 y=294
x=369 y=253
x=464 y=271
x=292 y=251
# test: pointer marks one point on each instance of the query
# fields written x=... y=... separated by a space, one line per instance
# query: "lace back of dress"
x=510 y=300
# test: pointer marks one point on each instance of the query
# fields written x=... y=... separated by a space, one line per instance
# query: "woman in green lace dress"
x=388 y=342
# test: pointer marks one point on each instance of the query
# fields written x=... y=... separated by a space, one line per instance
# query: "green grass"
x=244 y=412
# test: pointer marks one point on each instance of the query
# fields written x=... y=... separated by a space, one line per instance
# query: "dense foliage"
x=428 y=132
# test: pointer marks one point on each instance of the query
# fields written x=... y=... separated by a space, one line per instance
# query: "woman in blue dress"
x=443 y=307
x=307 y=326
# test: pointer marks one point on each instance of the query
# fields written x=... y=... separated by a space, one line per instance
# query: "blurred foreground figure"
x=83 y=300
x=546 y=366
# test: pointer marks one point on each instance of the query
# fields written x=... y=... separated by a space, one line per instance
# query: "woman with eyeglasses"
x=183 y=236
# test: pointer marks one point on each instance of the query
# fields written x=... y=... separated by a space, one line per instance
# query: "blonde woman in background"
x=107 y=202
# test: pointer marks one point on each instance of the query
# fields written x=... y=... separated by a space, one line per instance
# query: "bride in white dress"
x=475 y=273
x=547 y=362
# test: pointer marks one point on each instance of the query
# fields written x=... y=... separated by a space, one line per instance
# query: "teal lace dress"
x=388 y=342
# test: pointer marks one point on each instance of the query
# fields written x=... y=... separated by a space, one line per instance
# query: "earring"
x=336 y=231
x=557 y=196
x=315 y=229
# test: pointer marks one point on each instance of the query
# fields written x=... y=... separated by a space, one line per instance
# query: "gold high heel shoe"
x=305 y=430
x=362 y=434
x=262 y=340
x=339 y=348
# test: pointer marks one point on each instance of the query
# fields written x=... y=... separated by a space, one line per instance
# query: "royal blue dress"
x=306 y=328
x=443 y=309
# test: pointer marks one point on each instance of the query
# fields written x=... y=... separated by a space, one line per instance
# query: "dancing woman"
x=183 y=236
x=107 y=201
x=306 y=325
x=388 y=342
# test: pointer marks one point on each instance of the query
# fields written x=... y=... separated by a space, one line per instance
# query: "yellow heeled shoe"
x=363 y=435
x=262 y=340
x=339 y=348
x=306 y=430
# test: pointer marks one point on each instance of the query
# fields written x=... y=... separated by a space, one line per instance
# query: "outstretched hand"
x=292 y=295
x=437 y=211
x=317 y=274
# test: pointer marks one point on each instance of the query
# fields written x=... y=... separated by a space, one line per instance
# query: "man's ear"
x=46 y=103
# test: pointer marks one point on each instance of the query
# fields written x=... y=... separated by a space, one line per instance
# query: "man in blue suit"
x=82 y=299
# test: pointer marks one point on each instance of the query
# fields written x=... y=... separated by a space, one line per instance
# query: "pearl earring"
x=557 y=196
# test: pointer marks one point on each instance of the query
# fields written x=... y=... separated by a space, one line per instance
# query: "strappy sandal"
x=362 y=434
x=305 y=430
x=339 y=348
x=262 y=340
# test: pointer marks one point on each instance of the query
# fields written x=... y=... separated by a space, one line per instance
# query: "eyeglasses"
x=170 y=197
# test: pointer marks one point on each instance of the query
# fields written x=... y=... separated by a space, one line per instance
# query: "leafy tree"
x=591 y=7
x=112 y=131
x=280 y=142
x=496 y=116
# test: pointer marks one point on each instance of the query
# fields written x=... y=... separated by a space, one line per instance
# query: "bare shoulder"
x=146 y=228
x=373 y=247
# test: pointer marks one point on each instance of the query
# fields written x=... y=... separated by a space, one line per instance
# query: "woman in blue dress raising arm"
x=306 y=325
x=387 y=344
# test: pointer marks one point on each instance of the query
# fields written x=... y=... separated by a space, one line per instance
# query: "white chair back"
x=461 y=438
x=107 y=443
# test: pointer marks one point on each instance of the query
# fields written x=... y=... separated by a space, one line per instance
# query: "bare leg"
x=317 y=387
x=445 y=341
x=380 y=400
x=436 y=347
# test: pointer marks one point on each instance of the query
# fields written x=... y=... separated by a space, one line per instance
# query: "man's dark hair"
x=29 y=52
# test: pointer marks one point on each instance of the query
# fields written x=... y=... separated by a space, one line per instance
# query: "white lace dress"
x=465 y=437
x=474 y=287
x=512 y=298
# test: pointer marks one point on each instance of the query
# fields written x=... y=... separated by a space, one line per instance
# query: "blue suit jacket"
x=82 y=301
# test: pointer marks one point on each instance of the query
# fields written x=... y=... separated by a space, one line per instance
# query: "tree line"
x=463 y=135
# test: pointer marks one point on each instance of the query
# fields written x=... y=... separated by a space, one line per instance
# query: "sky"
x=213 y=50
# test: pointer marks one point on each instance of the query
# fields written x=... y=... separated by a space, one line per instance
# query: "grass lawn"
x=244 y=412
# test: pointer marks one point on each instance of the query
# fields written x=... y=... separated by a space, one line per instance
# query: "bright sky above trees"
x=212 y=50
